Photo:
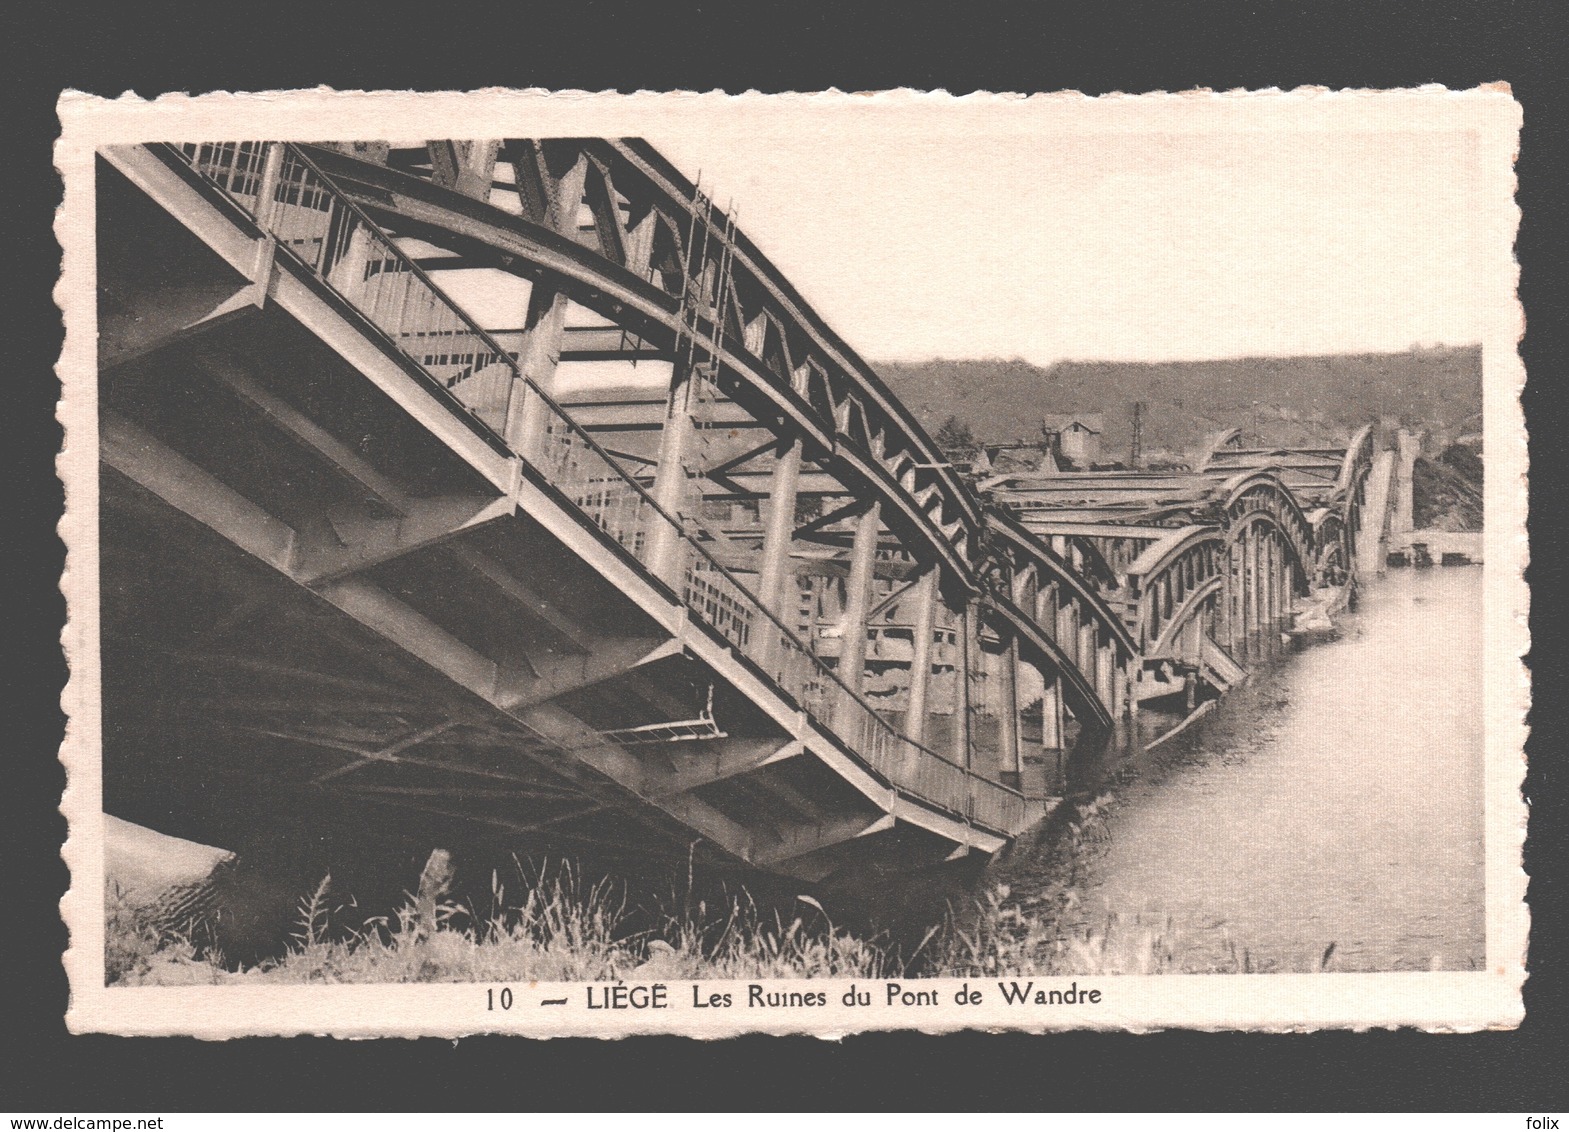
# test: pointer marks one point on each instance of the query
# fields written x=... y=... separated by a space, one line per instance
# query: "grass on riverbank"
x=566 y=930
x=562 y=931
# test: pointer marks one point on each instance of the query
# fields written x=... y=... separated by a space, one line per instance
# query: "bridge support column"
x=1245 y=594
x=1228 y=602
x=858 y=599
x=1051 y=712
x=347 y=272
x=1410 y=447
x=1254 y=596
x=1239 y=597
x=1144 y=605
x=665 y=560
x=1278 y=589
x=1068 y=630
x=1266 y=566
x=1287 y=591
x=778 y=539
x=267 y=188
x=1008 y=715
x=1267 y=549
x=916 y=715
x=1052 y=741
x=540 y=354
x=1282 y=592
x=964 y=698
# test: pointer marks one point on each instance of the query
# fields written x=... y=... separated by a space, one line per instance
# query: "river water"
x=1335 y=799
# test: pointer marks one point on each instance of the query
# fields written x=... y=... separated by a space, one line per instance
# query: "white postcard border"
x=1436 y=1001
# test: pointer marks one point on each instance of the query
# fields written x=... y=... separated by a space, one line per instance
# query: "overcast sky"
x=1146 y=241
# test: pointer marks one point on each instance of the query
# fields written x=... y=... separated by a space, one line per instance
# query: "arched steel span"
x=329 y=342
x=1093 y=561
x=1333 y=562
x=1062 y=619
x=1354 y=465
x=1204 y=456
x=1257 y=562
x=1169 y=581
x=777 y=357
x=1350 y=491
x=1335 y=518
x=783 y=363
x=1263 y=491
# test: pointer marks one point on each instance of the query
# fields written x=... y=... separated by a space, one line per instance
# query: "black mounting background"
x=594 y=45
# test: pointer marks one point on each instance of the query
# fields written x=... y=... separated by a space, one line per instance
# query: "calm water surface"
x=1335 y=799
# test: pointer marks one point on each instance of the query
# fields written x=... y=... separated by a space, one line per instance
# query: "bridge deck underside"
x=312 y=604
x=246 y=687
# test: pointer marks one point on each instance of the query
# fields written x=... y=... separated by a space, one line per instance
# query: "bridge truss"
x=365 y=548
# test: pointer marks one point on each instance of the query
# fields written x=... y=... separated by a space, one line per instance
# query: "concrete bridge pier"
x=1408 y=448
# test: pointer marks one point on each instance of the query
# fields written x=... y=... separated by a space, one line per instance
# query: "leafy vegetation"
x=564 y=929
x=1447 y=492
x=956 y=440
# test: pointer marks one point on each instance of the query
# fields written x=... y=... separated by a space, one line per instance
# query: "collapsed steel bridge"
x=365 y=548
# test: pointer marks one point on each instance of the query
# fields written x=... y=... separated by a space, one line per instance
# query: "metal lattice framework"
x=755 y=603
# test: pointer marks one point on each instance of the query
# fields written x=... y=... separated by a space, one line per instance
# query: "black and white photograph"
x=793 y=563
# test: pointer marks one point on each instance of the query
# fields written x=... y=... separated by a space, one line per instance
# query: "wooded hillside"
x=1295 y=400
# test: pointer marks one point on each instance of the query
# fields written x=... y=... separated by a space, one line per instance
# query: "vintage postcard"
x=569 y=564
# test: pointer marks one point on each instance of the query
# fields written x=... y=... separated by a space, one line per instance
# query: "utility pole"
x=1136 y=455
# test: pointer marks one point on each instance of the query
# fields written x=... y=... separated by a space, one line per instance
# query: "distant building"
x=1075 y=435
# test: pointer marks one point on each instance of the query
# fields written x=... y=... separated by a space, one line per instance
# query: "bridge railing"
x=296 y=204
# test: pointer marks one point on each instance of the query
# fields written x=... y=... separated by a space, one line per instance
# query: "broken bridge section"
x=356 y=560
x=1212 y=568
x=376 y=559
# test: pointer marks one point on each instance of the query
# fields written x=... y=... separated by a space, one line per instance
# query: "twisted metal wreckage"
x=357 y=545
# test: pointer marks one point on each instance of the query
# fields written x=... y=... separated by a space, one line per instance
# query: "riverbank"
x=561 y=929
x=566 y=930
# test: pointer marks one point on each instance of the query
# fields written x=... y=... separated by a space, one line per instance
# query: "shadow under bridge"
x=362 y=553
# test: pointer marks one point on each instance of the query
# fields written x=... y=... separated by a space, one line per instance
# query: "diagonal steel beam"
x=608 y=659
x=721 y=760
x=301 y=429
x=847 y=511
x=805 y=839
x=158 y=469
x=388 y=753
x=355 y=541
x=244 y=301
